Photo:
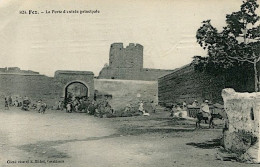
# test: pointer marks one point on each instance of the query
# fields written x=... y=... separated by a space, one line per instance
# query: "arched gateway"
x=76 y=89
x=77 y=83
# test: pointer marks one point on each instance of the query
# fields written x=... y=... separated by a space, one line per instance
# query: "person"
x=141 y=109
x=205 y=106
x=6 y=104
x=184 y=104
x=177 y=110
x=26 y=103
x=195 y=103
x=43 y=107
x=60 y=105
x=39 y=105
x=76 y=107
x=127 y=108
x=91 y=108
x=10 y=100
x=178 y=107
x=153 y=106
x=16 y=103
x=56 y=105
x=173 y=110
x=205 y=109
x=69 y=107
x=20 y=101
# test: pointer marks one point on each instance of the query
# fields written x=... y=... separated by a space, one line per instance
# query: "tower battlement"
x=127 y=63
x=130 y=56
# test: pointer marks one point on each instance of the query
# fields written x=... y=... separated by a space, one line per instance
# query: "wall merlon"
x=117 y=45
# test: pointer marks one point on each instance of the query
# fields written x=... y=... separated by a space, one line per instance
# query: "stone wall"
x=52 y=89
x=242 y=133
x=127 y=91
x=188 y=84
x=49 y=89
x=145 y=74
x=16 y=70
x=33 y=86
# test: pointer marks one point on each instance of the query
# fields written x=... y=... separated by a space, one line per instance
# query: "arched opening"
x=76 y=90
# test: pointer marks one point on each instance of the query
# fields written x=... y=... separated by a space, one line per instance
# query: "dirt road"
x=62 y=139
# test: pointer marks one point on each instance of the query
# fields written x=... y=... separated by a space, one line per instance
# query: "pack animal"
x=207 y=117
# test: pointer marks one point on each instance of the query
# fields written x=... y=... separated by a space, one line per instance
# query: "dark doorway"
x=75 y=90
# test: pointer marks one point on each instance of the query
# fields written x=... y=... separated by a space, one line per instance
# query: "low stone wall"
x=242 y=133
x=127 y=91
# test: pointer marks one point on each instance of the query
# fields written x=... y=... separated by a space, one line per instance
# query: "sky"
x=49 y=42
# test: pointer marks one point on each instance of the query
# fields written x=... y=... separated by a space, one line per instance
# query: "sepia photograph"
x=129 y=83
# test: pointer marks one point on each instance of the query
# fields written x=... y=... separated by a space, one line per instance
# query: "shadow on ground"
x=141 y=130
x=169 y=127
x=211 y=144
x=45 y=148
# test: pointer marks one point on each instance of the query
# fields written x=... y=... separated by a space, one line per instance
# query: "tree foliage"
x=236 y=46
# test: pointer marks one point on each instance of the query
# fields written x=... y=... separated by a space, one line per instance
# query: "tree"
x=238 y=44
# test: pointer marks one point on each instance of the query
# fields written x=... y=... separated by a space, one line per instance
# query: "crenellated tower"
x=129 y=57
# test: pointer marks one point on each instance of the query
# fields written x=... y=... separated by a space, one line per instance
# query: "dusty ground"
x=81 y=140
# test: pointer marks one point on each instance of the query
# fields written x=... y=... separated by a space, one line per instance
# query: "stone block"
x=242 y=133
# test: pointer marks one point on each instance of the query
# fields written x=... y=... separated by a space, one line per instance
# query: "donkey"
x=207 y=117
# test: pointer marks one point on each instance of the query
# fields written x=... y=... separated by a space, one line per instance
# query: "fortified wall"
x=52 y=89
x=128 y=91
x=37 y=86
x=16 y=70
x=127 y=64
x=187 y=84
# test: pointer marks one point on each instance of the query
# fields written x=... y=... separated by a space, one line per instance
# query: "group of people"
x=24 y=103
x=74 y=104
x=139 y=108
x=181 y=109
x=71 y=104
x=99 y=108
x=41 y=107
x=16 y=101
x=146 y=112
